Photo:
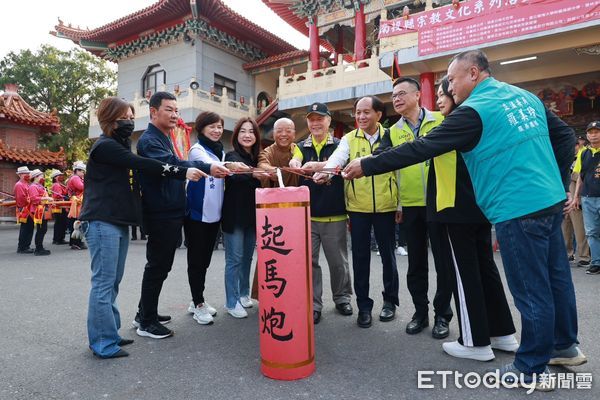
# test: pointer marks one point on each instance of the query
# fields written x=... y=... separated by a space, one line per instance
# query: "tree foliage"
x=68 y=81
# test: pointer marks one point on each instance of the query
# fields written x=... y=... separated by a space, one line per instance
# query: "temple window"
x=154 y=77
x=222 y=82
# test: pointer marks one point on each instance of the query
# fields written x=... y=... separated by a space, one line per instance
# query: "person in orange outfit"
x=59 y=193
x=75 y=192
x=22 y=207
x=37 y=197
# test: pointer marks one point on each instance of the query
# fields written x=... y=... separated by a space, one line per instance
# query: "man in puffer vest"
x=327 y=212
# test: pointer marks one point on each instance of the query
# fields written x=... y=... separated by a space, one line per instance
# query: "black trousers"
x=417 y=230
x=360 y=231
x=134 y=232
x=163 y=235
x=25 y=234
x=481 y=304
x=200 y=237
x=40 y=232
x=60 y=226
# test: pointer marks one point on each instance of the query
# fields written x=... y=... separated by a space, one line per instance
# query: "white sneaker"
x=238 y=311
x=211 y=310
x=401 y=252
x=246 y=302
x=505 y=343
x=480 y=353
x=202 y=315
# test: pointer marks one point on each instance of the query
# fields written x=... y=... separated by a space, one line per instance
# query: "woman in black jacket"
x=484 y=318
x=111 y=204
x=239 y=217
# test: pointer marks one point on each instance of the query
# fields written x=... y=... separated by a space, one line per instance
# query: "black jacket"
x=239 y=201
x=163 y=198
x=111 y=193
x=589 y=173
x=325 y=200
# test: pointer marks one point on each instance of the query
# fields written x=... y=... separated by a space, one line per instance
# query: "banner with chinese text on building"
x=286 y=326
x=484 y=21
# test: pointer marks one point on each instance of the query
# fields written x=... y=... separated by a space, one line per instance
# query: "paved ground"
x=44 y=354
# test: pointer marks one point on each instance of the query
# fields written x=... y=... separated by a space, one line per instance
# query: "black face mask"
x=125 y=128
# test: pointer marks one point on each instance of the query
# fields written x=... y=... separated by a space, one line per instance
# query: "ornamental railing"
x=340 y=76
x=195 y=99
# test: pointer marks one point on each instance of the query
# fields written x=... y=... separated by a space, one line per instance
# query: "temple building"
x=21 y=127
x=214 y=59
x=194 y=49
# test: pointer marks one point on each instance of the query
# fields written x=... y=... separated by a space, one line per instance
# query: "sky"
x=25 y=24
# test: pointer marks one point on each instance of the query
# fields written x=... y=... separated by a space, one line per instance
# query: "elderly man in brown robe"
x=279 y=153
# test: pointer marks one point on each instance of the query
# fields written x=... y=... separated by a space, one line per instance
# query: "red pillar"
x=339 y=130
x=339 y=47
x=313 y=36
x=360 y=35
x=427 y=90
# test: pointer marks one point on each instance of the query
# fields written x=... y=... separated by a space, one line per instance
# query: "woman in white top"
x=203 y=216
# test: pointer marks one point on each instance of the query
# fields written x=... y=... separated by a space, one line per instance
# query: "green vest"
x=371 y=194
x=413 y=179
x=513 y=168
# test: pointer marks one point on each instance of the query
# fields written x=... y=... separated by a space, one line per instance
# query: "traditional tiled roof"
x=32 y=157
x=165 y=14
x=13 y=108
x=278 y=58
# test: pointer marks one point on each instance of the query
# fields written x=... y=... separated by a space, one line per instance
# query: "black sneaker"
x=25 y=251
x=593 y=270
x=163 y=319
x=41 y=252
x=155 y=331
x=583 y=264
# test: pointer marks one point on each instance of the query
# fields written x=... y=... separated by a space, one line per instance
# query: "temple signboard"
x=476 y=22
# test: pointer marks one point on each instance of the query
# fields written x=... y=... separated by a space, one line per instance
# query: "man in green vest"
x=415 y=122
x=370 y=202
x=327 y=212
x=518 y=155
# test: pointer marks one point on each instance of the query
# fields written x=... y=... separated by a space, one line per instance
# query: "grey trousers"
x=332 y=236
x=573 y=225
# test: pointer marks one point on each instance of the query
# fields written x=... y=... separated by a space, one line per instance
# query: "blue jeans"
x=239 y=247
x=591 y=221
x=108 y=246
x=539 y=277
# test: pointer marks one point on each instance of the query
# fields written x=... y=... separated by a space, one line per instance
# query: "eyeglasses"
x=401 y=94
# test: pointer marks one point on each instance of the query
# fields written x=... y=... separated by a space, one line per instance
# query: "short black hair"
x=376 y=103
x=158 y=97
x=475 y=57
x=445 y=85
x=412 y=81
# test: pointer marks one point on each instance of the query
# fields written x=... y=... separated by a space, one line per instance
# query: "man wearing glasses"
x=415 y=122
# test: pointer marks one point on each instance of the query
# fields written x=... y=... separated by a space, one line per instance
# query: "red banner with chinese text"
x=483 y=21
x=286 y=327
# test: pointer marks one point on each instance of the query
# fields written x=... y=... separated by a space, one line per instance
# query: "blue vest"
x=513 y=167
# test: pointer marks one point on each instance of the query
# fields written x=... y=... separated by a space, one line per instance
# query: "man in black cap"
x=587 y=193
x=328 y=212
